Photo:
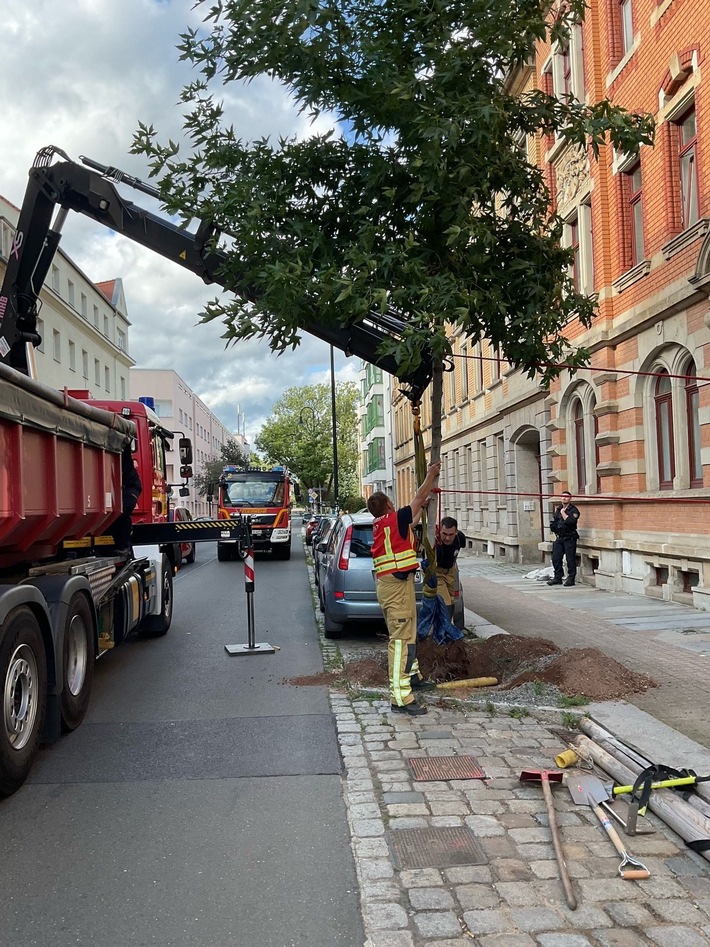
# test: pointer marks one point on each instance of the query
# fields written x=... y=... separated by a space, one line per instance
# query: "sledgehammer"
x=546 y=776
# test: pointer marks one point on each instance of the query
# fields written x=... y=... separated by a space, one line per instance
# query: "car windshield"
x=255 y=493
x=361 y=542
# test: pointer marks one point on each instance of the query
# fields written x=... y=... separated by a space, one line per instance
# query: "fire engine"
x=266 y=496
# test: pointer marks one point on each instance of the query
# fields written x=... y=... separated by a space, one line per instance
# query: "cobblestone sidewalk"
x=515 y=899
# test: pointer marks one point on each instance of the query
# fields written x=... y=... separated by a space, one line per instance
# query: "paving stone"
x=390 y=939
x=624 y=937
x=477 y=896
x=500 y=847
x=372 y=869
x=431 y=899
x=487 y=807
x=536 y=919
x=456 y=942
x=366 y=810
x=484 y=826
x=563 y=940
x=385 y=916
x=357 y=798
x=421 y=878
x=409 y=822
x=370 y=848
x=662 y=888
x=699 y=887
x=680 y=911
x=436 y=735
x=517 y=820
x=368 y=828
x=685 y=866
x=609 y=889
x=525 y=894
x=445 y=821
x=676 y=936
x=470 y=874
x=381 y=891
x=628 y=914
x=388 y=765
x=402 y=798
x=448 y=808
x=506 y=940
x=488 y=922
x=525 y=836
x=585 y=916
x=411 y=808
x=437 y=924
x=545 y=869
x=534 y=852
x=361 y=784
x=385 y=756
x=350 y=739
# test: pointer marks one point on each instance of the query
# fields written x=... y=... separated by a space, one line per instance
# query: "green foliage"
x=519 y=713
x=573 y=700
x=424 y=204
x=299 y=435
x=230 y=452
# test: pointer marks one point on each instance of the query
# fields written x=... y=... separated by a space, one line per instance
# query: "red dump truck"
x=66 y=594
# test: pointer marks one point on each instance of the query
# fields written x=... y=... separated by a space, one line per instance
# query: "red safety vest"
x=391 y=553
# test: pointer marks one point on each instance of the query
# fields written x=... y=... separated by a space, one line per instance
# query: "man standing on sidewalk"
x=564 y=526
x=394 y=555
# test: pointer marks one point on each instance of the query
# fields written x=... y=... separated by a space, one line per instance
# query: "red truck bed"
x=60 y=468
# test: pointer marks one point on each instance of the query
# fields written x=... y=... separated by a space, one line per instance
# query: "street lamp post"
x=336 y=494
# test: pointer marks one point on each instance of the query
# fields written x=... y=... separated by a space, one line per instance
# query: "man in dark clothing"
x=131 y=489
x=564 y=526
x=450 y=542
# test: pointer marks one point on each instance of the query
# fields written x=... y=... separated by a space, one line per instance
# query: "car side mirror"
x=185 y=448
x=184 y=491
x=321 y=547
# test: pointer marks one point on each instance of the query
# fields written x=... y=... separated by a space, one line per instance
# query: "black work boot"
x=554 y=581
x=421 y=684
x=569 y=581
x=412 y=710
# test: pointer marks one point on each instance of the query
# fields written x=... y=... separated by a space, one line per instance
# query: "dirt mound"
x=512 y=659
x=588 y=672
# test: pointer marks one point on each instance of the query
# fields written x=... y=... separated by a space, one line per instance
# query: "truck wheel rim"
x=20 y=697
x=76 y=655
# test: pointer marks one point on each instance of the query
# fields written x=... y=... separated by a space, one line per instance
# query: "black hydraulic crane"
x=89 y=188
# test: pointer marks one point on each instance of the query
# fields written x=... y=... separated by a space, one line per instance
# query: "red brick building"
x=630 y=437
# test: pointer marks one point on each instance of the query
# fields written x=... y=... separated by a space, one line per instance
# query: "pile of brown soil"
x=512 y=659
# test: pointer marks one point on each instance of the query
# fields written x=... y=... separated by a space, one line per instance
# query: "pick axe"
x=547 y=776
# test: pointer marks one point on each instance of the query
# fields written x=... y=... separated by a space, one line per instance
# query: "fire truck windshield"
x=254 y=493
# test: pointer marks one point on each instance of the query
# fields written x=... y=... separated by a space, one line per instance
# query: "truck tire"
x=79 y=655
x=224 y=553
x=282 y=552
x=23 y=679
x=155 y=626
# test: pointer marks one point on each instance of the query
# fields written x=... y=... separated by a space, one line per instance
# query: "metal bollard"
x=250 y=647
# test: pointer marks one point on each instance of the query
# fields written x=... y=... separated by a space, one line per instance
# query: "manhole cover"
x=445 y=767
x=446 y=847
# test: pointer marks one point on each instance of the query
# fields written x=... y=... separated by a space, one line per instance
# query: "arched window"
x=692 y=403
x=664 y=431
x=580 y=452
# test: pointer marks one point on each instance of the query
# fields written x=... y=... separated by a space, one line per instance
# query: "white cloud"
x=81 y=75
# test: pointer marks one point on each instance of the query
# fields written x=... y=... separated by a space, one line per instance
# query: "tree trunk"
x=437 y=392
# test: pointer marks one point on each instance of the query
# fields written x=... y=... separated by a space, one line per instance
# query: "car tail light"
x=344 y=560
x=338 y=595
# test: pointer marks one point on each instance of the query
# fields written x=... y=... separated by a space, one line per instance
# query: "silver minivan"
x=346 y=582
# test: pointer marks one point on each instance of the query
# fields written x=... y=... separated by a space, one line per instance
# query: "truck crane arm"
x=89 y=189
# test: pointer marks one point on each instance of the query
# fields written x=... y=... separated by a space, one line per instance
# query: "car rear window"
x=361 y=542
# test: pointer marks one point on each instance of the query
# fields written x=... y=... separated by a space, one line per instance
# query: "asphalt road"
x=200 y=802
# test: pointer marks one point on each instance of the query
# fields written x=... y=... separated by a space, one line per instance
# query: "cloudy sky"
x=81 y=74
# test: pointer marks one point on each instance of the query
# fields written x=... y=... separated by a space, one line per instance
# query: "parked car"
x=320 y=536
x=184 y=551
x=311 y=525
x=346 y=579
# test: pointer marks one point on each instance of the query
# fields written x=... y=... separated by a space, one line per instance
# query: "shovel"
x=590 y=791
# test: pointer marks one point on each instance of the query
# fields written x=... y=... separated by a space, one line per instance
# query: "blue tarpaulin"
x=434 y=616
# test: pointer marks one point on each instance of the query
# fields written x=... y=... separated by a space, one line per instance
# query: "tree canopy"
x=231 y=452
x=299 y=436
x=419 y=201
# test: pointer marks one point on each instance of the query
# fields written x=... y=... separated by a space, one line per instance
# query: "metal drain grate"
x=445 y=767
x=446 y=847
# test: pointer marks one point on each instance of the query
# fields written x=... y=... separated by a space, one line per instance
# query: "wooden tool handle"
x=561 y=863
x=610 y=830
x=635 y=874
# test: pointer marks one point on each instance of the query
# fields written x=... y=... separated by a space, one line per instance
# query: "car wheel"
x=321 y=604
x=190 y=557
x=332 y=629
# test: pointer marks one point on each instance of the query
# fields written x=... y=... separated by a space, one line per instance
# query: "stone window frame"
x=675 y=360
x=583 y=393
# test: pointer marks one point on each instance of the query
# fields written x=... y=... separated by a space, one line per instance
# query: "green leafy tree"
x=424 y=205
x=299 y=436
x=231 y=452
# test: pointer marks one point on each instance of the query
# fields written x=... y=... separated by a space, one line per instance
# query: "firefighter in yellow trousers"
x=395 y=560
